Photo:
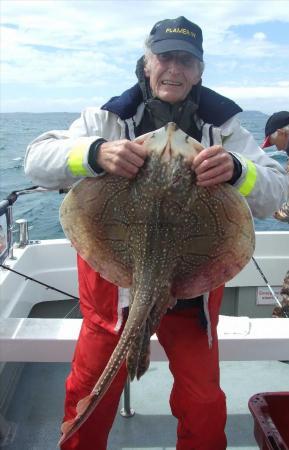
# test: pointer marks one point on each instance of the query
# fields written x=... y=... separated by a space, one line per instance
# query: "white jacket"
x=59 y=158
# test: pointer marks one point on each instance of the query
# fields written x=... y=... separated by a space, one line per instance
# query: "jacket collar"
x=213 y=108
x=125 y=105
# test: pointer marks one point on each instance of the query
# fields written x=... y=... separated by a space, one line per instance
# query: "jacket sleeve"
x=59 y=158
x=263 y=182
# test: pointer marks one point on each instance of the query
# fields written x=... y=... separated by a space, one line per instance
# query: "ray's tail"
x=86 y=406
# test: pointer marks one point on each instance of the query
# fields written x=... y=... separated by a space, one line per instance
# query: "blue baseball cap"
x=277 y=120
x=177 y=34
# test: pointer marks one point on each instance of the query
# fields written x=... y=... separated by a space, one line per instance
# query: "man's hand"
x=123 y=157
x=213 y=165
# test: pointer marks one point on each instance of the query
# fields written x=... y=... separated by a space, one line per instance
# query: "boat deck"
x=36 y=408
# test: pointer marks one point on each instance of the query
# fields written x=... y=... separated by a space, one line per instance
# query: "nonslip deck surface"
x=37 y=406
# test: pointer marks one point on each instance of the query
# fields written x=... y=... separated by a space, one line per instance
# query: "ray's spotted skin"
x=161 y=235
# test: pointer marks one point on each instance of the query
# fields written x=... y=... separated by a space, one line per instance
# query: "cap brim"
x=171 y=45
x=266 y=142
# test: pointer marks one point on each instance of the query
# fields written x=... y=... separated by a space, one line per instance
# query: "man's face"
x=281 y=141
x=172 y=75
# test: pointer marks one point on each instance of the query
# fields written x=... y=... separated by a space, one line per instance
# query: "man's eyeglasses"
x=184 y=58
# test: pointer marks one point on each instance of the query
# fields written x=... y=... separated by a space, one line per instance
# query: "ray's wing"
x=94 y=216
x=217 y=242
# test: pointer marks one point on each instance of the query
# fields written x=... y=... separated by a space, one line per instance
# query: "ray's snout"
x=170 y=142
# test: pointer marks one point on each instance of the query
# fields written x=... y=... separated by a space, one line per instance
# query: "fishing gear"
x=269 y=287
x=39 y=282
x=72 y=297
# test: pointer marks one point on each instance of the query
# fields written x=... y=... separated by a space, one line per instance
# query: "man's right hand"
x=123 y=157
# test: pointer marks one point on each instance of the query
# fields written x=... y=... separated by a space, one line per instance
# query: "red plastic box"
x=270 y=411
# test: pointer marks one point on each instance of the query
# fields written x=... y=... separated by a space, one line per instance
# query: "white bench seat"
x=53 y=340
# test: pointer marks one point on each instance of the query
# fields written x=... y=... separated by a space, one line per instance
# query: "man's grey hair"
x=148 y=54
x=275 y=134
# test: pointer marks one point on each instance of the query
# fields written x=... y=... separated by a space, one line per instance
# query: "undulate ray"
x=159 y=234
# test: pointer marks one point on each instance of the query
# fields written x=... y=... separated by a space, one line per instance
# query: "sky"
x=66 y=55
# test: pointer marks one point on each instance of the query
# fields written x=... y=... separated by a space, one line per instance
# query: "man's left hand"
x=213 y=165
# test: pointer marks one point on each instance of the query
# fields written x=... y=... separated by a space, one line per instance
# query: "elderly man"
x=169 y=89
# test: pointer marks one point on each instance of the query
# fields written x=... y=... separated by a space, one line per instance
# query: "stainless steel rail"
x=6 y=209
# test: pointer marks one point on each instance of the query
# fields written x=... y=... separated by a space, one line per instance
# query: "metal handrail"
x=6 y=208
x=6 y=235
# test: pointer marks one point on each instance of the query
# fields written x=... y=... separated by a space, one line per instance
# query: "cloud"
x=256 y=91
x=79 y=45
x=62 y=68
x=262 y=98
x=60 y=104
x=259 y=36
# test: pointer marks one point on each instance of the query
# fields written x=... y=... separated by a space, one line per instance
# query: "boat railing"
x=8 y=226
x=5 y=229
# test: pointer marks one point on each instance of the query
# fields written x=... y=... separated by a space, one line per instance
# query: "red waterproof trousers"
x=196 y=399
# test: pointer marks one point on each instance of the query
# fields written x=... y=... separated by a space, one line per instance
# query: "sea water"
x=41 y=209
